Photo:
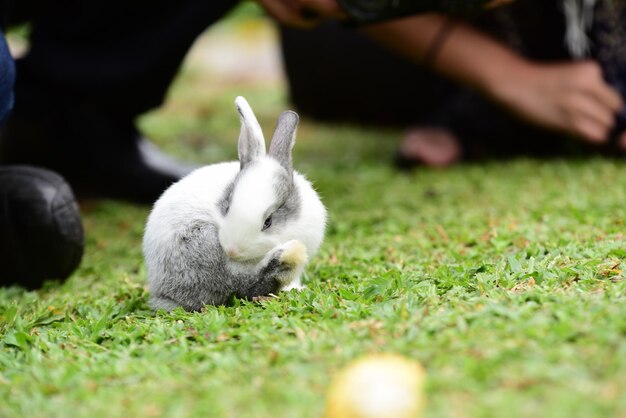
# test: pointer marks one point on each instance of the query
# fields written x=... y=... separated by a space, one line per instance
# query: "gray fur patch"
x=224 y=203
x=197 y=270
x=193 y=273
x=284 y=139
x=249 y=147
x=289 y=201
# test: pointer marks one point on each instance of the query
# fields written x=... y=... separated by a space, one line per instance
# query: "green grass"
x=505 y=280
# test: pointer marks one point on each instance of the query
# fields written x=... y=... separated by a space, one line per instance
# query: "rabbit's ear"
x=284 y=138
x=251 y=141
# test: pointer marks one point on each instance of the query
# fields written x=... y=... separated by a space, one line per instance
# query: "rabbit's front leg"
x=292 y=257
x=278 y=269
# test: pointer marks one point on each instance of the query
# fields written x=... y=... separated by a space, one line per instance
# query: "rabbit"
x=243 y=229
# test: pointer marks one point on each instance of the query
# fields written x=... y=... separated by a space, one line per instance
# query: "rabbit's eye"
x=267 y=223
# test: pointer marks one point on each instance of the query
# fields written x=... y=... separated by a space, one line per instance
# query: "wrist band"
x=437 y=43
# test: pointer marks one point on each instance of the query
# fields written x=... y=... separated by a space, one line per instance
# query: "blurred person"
x=41 y=235
x=521 y=57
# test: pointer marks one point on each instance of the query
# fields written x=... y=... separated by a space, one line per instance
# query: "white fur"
x=251 y=132
x=240 y=230
x=248 y=119
x=254 y=195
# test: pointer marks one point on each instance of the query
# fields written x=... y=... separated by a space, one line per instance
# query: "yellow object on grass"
x=377 y=386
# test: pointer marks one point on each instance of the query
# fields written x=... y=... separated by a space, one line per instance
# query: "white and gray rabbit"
x=242 y=229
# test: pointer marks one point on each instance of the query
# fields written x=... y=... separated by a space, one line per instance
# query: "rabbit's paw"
x=294 y=285
x=294 y=253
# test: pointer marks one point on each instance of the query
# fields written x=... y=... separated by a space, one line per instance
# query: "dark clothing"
x=92 y=68
x=7 y=78
x=335 y=73
x=118 y=56
x=608 y=40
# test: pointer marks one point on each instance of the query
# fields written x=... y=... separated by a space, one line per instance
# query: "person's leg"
x=92 y=68
x=41 y=235
x=118 y=56
x=336 y=73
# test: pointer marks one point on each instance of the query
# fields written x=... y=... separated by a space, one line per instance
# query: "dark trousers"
x=118 y=56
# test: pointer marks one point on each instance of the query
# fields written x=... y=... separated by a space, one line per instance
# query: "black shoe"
x=41 y=234
x=100 y=156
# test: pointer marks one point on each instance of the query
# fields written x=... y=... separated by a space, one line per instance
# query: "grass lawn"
x=505 y=280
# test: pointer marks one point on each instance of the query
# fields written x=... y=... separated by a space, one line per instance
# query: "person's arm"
x=308 y=13
x=570 y=97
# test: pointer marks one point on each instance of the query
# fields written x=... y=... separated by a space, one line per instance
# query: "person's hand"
x=302 y=13
x=571 y=97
